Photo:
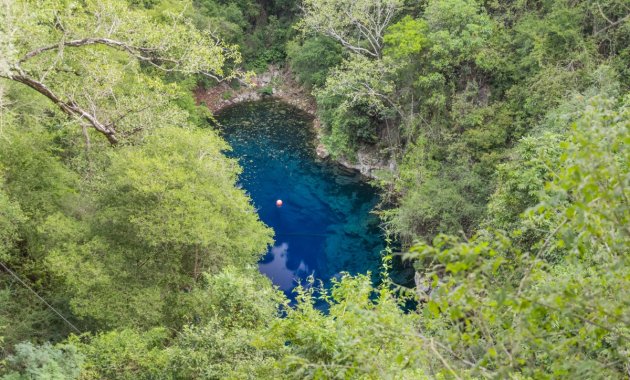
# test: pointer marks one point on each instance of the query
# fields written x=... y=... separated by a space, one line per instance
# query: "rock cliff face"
x=275 y=83
x=280 y=84
x=369 y=162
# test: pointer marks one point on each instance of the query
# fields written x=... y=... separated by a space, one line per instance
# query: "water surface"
x=324 y=226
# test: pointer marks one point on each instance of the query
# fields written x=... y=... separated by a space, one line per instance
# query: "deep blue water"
x=324 y=226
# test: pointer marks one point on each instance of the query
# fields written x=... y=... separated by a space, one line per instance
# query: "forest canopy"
x=128 y=250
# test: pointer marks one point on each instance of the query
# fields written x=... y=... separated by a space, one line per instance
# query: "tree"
x=11 y=217
x=361 y=81
x=405 y=38
x=358 y=25
x=82 y=58
x=556 y=306
x=43 y=362
x=229 y=311
x=313 y=59
x=35 y=183
x=157 y=226
x=364 y=334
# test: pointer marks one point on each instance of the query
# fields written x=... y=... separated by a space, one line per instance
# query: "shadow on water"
x=324 y=226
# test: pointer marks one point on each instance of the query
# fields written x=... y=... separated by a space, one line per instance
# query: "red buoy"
x=279 y=203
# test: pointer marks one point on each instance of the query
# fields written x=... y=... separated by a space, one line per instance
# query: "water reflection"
x=279 y=272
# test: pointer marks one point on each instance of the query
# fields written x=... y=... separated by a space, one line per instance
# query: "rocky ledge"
x=274 y=82
x=280 y=84
x=369 y=162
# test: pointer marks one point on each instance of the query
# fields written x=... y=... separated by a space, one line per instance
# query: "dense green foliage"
x=312 y=59
x=43 y=362
x=449 y=87
x=112 y=237
x=508 y=121
x=260 y=28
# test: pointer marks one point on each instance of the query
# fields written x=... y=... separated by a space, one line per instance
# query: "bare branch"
x=84 y=42
x=141 y=53
x=148 y=55
x=69 y=107
x=613 y=24
x=352 y=23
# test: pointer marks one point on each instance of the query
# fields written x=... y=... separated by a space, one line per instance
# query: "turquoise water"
x=324 y=226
